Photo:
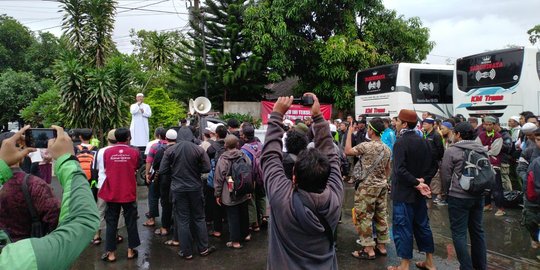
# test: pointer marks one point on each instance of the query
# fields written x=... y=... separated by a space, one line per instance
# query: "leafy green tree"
x=166 y=112
x=17 y=89
x=44 y=109
x=534 y=34
x=41 y=55
x=88 y=26
x=156 y=50
x=324 y=43
x=232 y=70
x=15 y=40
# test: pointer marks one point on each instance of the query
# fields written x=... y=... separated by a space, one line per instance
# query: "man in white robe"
x=140 y=112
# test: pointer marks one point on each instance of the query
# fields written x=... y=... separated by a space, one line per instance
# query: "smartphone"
x=39 y=137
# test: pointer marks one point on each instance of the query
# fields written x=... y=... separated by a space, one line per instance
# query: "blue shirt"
x=388 y=137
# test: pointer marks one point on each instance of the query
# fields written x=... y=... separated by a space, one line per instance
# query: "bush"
x=242 y=118
x=44 y=109
x=166 y=112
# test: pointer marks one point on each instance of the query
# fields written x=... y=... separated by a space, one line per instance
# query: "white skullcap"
x=171 y=134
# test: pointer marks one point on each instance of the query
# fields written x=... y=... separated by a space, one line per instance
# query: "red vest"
x=495 y=161
x=121 y=163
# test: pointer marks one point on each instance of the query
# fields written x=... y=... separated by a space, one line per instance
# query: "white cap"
x=140 y=95
x=333 y=128
x=528 y=128
x=288 y=122
x=212 y=127
x=515 y=118
x=171 y=134
x=338 y=120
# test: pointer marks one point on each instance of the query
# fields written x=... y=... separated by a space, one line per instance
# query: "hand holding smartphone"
x=39 y=137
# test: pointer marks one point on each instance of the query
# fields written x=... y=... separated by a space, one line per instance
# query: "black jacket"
x=185 y=162
x=412 y=160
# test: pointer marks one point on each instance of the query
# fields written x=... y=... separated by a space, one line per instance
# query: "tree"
x=232 y=70
x=41 y=55
x=16 y=90
x=156 y=50
x=324 y=43
x=534 y=34
x=44 y=109
x=15 y=40
x=88 y=25
x=166 y=112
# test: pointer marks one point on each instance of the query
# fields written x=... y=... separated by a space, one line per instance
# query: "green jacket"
x=77 y=224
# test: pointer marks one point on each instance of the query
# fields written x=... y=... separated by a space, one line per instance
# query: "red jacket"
x=121 y=163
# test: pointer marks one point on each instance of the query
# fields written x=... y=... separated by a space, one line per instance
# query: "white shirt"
x=101 y=166
x=140 y=131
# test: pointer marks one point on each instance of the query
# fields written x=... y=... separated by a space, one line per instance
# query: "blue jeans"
x=467 y=214
x=411 y=219
x=189 y=217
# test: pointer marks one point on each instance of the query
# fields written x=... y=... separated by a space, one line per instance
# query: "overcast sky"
x=459 y=27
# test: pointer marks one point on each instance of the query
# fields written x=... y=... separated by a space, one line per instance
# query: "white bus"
x=383 y=91
x=499 y=83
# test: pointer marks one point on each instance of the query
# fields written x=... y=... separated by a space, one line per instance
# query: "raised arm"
x=147 y=111
x=134 y=109
x=77 y=224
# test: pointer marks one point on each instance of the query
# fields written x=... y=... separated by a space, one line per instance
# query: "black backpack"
x=478 y=175
x=39 y=229
x=242 y=175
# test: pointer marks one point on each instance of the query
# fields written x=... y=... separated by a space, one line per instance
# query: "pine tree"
x=233 y=71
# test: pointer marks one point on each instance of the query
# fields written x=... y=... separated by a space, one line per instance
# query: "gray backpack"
x=478 y=176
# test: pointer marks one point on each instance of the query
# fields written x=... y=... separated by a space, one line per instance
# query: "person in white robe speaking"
x=140 y=112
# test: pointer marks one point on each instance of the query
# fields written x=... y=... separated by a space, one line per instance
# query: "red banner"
x=296 y=111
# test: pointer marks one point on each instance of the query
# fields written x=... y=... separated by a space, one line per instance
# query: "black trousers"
x=112 y=213
x=166 y=201
x=238 y=218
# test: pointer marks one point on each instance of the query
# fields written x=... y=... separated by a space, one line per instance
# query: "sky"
x=458 y=27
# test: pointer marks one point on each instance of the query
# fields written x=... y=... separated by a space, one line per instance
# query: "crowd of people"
x=228 y=176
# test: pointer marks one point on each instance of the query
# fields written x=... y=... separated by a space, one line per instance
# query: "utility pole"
x=198 y=16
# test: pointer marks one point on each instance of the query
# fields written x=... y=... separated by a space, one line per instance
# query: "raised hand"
x=283 y=104
x=316 y=107
x=10 y=153
x=61 y=145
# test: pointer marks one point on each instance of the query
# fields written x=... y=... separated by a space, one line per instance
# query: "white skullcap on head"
x=140 y=95
x=528 y=128
x=515 y=118
x=171 y=134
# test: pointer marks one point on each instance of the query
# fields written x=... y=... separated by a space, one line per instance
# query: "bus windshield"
x=502 y=69
x=377 y=80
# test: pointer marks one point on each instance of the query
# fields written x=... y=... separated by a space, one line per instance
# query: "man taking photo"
x=306 y=210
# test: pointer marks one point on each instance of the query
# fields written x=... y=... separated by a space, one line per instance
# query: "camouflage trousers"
x=370 y=208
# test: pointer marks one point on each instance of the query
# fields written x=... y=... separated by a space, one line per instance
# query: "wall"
x=252 y=108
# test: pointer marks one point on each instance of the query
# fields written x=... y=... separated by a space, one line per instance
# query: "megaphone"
x=202 y=105
x=191 y=107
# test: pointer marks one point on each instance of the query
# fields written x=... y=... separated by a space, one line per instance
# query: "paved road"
x=508 y=246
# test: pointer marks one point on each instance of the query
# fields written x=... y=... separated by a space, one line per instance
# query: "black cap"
x=463 y=127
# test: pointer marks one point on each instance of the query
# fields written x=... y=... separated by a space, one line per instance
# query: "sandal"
x=230 y=245
x=105 y=257
x=135 y=255
x=393 y=268
x=422 y=265
x=379 y=252
x=215 y=234
x=119 y=239
x=248 y=238
x=208 y=251
x=184 y=256
x=363 y=255
x=158 y=232
x=171 y=243
x=149 y=224
x=96 y=241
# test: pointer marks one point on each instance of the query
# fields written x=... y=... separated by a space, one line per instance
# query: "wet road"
x=508 y=246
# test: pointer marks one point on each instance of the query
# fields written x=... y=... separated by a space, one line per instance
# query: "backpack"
x=478 y=176
x=86 y=158
x=242 y=176
x=213 y=162
x=255 y=151
x=39 y=229
x=532 y=193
